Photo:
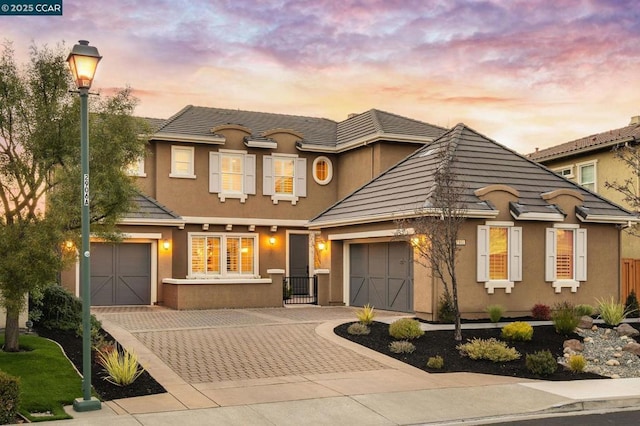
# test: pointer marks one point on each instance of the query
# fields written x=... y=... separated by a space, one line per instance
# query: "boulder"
x=574 y=345
x=632 y=347
x=626 y=330
x=586 y=322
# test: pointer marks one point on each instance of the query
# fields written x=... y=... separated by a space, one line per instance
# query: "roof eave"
x=619 y=220
x=182 y=137
x=153 y=222
x=369 y=139
x=471 y=214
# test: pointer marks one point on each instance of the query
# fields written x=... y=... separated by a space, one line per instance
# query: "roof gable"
x=477 y=162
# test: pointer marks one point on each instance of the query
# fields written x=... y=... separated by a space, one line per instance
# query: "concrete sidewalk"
x=349 y=385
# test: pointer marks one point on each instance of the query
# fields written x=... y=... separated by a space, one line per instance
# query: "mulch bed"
x=442 y=343
x=72 y=345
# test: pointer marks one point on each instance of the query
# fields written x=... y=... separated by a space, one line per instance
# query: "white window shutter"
x=515 y=253
x=267 y=175
x=250 y=174
x=581 y=254
x=482 y=268
x=301 y=177
x=550 y=255
x=214 y=172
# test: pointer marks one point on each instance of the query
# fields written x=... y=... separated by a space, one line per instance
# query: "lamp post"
x=83 y=61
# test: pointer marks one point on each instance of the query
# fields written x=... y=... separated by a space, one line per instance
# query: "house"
x=591 y=162
x=530 y=236
x=225 y=196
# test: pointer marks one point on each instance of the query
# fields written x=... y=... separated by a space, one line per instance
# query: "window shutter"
x=301 y=177
x=581 y=254
x=214 y=172
x=483 y=254
x=250 y=174
x=515 y=253
x=550 y=255
x=267 y=175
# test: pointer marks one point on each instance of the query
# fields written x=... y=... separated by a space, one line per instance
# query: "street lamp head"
x=83 y=61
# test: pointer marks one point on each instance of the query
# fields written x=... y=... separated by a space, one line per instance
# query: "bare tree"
x=436 y=226
x=628 y=188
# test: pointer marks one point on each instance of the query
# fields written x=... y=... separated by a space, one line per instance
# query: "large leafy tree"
x=40 y=171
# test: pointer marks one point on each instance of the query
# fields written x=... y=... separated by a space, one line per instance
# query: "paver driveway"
x=240 y=344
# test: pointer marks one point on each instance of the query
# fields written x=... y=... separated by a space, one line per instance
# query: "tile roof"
x=589 y=143
x=476 y=162
x=316 y=132
x=145 y=207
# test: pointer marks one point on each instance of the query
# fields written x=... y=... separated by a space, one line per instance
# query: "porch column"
x=277 y=280
x=324 y=284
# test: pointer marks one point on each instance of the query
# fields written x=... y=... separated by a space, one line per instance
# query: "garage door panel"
x=120 y=274
x=359 y=293
x=381 y=274
x=398 y=292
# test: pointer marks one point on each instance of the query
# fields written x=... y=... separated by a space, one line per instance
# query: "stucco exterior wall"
x=608 y=169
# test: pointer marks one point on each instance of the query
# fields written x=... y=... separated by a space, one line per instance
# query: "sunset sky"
x=525 y=73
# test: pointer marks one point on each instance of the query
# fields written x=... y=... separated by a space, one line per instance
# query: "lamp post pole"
x=83 y=60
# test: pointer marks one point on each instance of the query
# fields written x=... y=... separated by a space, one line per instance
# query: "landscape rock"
x=627 y=330
x=574 y=345
x=613 y=363
x=632 y=347
x=586 y=322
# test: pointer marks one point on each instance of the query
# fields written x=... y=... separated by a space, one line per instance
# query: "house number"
x=85 y=194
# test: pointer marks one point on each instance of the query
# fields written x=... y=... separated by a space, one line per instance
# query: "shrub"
x=402 y=347
x=491 y=349
x=405 y=329
x=495 y=312
x=519 y=330
x=58 y=309
x=366 y=314
x=631 y=305
x=121 y=367
x=577 y=363
x=541 y=363
x=564 y=318
x=541 y=312
x=96 y=330
x=357 y=328
x=611 y=312
x=446 y=310
x=435 y=362
x=584 y=309
x=9 y=398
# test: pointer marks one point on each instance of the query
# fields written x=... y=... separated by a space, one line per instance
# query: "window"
x=232 y=174
x=182 y=162
x=222 y=255
x=136 y=168
x=587 y=175
x=284 y=177
x=499 y=255
x=565 y=171
x=322 y=170
x=566 y=257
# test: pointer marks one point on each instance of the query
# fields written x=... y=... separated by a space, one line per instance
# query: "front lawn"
x=48 y=381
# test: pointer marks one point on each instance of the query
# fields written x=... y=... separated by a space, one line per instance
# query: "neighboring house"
x=225 y=196
x=591 y=161
x=530 y=236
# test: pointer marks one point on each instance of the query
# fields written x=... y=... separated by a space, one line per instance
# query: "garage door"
x=120 y=274
x=381 y=274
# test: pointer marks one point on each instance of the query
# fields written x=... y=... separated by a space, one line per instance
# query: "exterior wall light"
x=166 y=244
x=272 y=240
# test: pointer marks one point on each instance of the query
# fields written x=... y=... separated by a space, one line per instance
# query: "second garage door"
x=120 y=274
x=381 y=274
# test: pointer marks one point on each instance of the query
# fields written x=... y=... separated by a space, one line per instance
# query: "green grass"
x=48 y=381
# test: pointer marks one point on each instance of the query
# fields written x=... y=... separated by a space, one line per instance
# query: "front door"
x=299 y=263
